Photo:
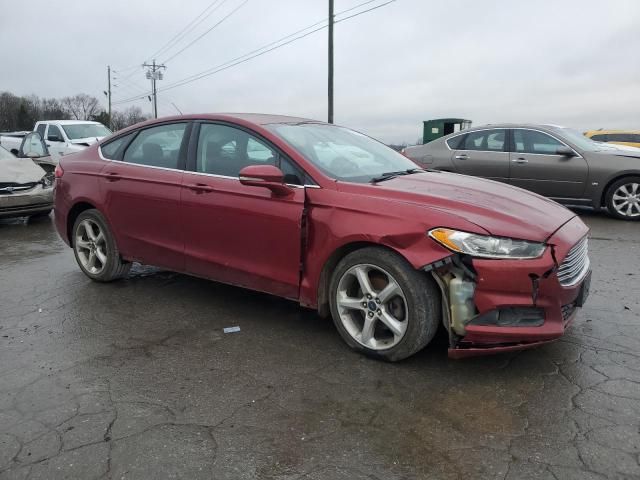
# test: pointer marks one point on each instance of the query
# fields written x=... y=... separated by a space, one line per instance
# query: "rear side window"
x=484 y=140
x=599 y=138
x=532 y=141
x=41 y=128
x=157 y=146
x=113 y=149
x=454 y=142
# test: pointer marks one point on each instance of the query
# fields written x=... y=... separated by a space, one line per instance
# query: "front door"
x=240 y=234
x=535 y=166
x=55 y=141
x=483 y=153
x=141 y=187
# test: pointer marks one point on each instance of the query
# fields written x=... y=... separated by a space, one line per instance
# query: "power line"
x=323 y=21
x=207 y=31
x=364 y=11
x=190 y=26
x=233 y=63
x=263 y=50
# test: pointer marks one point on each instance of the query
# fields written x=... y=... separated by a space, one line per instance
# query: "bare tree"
x=52 y=109
x=130 y=116
x=81 y=106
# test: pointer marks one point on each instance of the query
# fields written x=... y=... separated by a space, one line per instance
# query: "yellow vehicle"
x=621 y=137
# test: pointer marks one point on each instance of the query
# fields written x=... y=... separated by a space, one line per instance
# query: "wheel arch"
x=74 y=213
x=605 y=189
x=330 y=264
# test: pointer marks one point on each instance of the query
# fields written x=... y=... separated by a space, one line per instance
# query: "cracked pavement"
x=136 y=379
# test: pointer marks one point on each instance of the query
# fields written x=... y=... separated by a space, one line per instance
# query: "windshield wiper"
x=390 y=175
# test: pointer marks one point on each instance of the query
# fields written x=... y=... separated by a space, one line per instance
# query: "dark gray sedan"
x=553 y=161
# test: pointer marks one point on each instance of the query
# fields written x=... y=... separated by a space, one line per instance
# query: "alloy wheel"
x=372 y=306
x=626 y=200
x=91 y=246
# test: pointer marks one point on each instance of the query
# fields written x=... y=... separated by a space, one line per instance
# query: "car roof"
x=255 y=118
x=68 y=122
x=266 y=119
x=514 y=125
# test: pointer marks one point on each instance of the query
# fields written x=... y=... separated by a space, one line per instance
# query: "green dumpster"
x=440 y=127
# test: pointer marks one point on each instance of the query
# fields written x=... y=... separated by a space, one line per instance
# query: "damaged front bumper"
x=494 y=306
x=38 y=199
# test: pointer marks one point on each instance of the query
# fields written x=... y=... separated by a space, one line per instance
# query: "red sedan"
x=334 y=220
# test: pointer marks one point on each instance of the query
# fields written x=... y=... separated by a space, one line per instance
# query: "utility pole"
x=330 y=86
x=154 y=73
x=108 y=92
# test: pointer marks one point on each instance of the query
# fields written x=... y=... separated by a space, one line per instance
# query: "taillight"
x=58 y=172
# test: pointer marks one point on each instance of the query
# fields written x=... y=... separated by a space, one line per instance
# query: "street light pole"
x=330 y=85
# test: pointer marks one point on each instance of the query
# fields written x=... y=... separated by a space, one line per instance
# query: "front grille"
x=575 y=265
x=9 y=188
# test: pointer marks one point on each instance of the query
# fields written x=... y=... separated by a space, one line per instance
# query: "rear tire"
x=623 y=199
x=382 y=306
x=95 y=248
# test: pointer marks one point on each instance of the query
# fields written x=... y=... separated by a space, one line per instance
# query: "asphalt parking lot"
x=136 y=379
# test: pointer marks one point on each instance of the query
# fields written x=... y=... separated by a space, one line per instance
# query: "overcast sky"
x=570 y=62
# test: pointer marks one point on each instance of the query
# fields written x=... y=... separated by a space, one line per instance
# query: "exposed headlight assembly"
x=485 y=246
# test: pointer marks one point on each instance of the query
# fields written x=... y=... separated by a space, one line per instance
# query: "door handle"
x=462 y=157
x=200 y=188
x=520 y=160
x=112 y=177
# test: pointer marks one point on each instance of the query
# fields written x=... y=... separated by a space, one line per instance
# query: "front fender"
x=338 y=223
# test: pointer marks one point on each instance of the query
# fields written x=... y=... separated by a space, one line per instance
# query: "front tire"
x=95 y=248
x=623 y=199
x=382 y=306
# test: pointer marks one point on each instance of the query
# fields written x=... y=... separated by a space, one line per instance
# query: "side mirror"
x=565 y=151
x=32 y=146
x=266 y=176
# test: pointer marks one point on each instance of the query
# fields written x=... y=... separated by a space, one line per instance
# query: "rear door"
x=482 y=153
x=536 y=167
x=141 y=186
x=240 y=234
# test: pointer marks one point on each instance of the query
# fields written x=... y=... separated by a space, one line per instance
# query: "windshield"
x=86 y=130
x=579 y=140
x=341 y=153
x=6 y=155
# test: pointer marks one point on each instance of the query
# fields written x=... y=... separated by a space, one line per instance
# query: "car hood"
x=85 y=141
x=500 y=209
x=630 y=152
x=20 y=170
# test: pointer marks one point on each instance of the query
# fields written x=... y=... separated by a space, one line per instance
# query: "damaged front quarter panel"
x=497 y=305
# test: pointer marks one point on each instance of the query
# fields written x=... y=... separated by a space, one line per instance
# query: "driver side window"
x=531 y=141
x=54 y=134
x=224 y=150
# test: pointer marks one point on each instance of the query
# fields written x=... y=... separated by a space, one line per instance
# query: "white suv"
x=70 y=136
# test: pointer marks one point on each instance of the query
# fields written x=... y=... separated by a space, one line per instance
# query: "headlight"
x=47 y=180
x=486 y=246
